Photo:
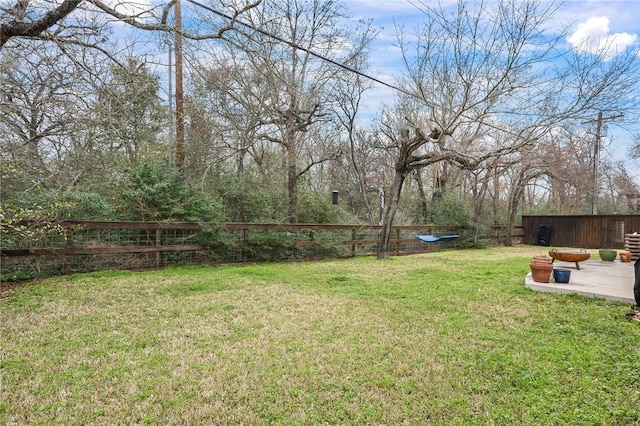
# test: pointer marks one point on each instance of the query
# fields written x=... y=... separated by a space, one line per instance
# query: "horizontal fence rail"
x=44 y=249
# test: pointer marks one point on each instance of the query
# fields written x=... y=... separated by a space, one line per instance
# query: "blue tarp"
x=434 y=239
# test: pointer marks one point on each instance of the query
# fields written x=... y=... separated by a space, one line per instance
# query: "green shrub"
x=245 y=201
x=88 y=205
x=324 y=251
x=151 y=192
x=271 y=245
x=216 y=240
x=314 y=207
x=450 y=211
x=31 y=228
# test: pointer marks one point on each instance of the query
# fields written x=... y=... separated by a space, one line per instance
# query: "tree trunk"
x=512 y=208
x=440 y=182
x=362 y=185
x=240 y=161
x=292 y=180
x=423 y=195
x=292 y=186
x=396 y=190
x=479 y=191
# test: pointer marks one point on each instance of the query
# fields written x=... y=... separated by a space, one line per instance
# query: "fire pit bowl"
x=570 y=256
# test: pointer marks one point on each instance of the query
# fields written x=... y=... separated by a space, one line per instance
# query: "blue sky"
x=593 y=19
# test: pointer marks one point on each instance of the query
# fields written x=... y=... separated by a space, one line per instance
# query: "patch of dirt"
x=7 y=288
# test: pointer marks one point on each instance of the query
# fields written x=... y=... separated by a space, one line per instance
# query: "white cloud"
x=594 y=36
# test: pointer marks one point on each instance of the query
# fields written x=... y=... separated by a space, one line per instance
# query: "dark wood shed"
x=582 y=231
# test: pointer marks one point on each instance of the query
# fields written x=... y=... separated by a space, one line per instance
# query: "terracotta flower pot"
x=542 y=259
x=541 y=272
x=625 y=256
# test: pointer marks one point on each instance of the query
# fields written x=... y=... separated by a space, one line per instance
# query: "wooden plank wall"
x=582 y=231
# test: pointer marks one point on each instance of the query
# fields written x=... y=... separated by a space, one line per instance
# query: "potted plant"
x=607 y=255
x=541 y=272
x=625 y=256
x=561 y=275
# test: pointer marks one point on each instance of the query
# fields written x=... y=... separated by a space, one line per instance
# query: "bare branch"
x=19 y=28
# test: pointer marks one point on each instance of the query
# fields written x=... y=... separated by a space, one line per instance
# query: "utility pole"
x=171 y=139
x=596 y=160
x=179 y=154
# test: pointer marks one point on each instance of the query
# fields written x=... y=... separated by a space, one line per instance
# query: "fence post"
x=158 y=244
x=353 y=241
x=68 y=232
x=245 y=241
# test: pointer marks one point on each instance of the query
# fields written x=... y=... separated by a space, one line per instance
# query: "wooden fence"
x=582 y=231
x=45 y=249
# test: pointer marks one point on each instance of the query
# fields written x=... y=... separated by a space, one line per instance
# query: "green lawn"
x=442 y=338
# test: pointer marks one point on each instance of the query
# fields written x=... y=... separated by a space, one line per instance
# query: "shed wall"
x=583 y=231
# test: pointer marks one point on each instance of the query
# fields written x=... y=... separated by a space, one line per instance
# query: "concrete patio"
x=605 y=280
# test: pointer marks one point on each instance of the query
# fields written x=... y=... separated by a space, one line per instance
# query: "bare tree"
x=66 y=126
x=630 y=190
x=568 y=161
x=521 y=168
x=480 y=72
x=360 y=167
x=221 y=94
x=283 y=89
x=128 y=113
x=39 y=106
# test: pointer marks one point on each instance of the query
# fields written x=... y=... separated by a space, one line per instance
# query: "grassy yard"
x=443 y=338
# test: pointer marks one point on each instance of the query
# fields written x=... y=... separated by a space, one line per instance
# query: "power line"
x=416 y=6
x=420 y=9
x=297 y=46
